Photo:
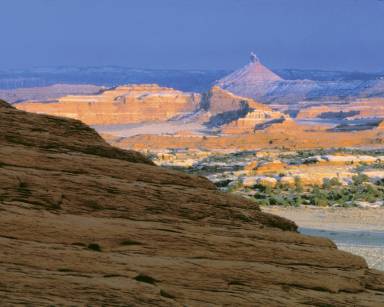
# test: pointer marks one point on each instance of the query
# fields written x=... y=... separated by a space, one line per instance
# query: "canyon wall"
x=363 y=108
x=120 y=105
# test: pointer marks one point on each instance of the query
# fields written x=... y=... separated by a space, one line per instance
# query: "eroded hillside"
x=120 y=105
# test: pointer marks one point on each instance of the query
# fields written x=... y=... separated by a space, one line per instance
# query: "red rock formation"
x=363 y=108
x=121 y=105
x=261 y=168
x=251 y=122
x=218 y=101
x=380 y=126
x=285 y=125
x=235 y=114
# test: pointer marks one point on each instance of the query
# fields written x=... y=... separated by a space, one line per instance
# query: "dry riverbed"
x=356 y=230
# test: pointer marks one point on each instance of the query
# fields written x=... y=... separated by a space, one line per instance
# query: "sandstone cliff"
x=218 y=101
x=235 y=114
x=364 y=108
x=120 y=105
x=253 y=121
x=83 y=223
x=148 y=103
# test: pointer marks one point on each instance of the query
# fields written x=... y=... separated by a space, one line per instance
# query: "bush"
x=330 y=183
x=298 y=184
x=278 y=201
x=263 y=202
x=320 y=202
x=360 y=179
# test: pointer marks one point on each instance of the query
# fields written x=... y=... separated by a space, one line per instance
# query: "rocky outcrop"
x=261 y=168
x=252 y=121
x=380 y=126
x=151 y=103
x=83 y=223
x=280 y=133
x=120 y=105
x=282 y=124
x=218 y=101
x=364 y=108
x=250 y=75
x=235 y=114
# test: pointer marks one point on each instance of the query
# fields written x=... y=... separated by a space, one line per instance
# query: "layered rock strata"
x=120 y=105
x=364 y=108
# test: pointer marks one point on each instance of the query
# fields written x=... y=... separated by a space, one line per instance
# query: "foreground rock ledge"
x=84 y=223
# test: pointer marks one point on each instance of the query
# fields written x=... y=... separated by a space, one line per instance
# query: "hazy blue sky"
x=209 y=34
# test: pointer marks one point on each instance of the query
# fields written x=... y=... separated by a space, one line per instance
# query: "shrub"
x=234 y=186
x=298 y=201
x=263 y=202
x=320 y=202
x=360 y=179
x=330 y=183
x=298 y=184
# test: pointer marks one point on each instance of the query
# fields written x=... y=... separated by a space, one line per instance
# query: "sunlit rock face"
x=151 y=103
x=121 y=105
x=254 y=120
x=235 y=114
x=218 y=100
x=363 y=108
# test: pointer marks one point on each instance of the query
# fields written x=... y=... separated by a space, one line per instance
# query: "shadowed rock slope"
x=83 y=223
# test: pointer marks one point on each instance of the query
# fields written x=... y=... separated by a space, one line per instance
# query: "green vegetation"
x=332 y=193
x=378 y=165
x=228 y=169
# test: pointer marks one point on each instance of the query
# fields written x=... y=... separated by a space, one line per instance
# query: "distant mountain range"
x=256 y=81
x=323 y=75
x=186 y=80
x=110 y=76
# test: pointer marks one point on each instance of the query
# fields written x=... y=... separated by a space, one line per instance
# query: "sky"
x=193 y=34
